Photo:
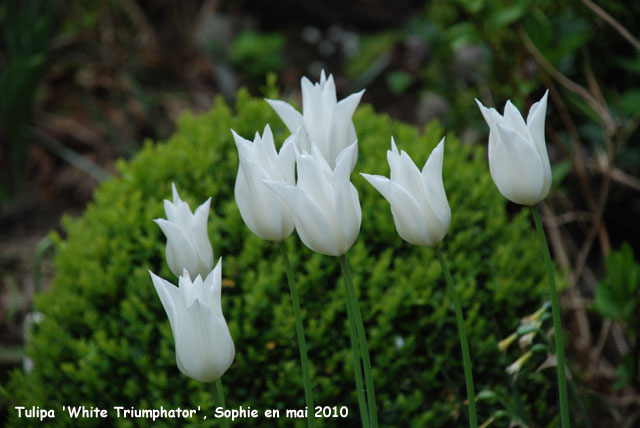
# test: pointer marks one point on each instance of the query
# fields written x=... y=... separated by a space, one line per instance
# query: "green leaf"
x=559 y=171
x=630 y=102
x=618 y=294
x=399 y=81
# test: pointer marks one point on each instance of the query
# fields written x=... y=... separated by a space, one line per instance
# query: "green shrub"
x=256 y=54
x=106 y=341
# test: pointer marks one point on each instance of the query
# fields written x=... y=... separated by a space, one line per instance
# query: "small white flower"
x=518 y=158
x=324 y=121
x=515 y=367
x=324 y=203
x=188 y=245
x=204 y=347
x=262 y=211
x=418 y=201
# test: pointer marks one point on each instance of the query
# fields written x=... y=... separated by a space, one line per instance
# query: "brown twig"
x=602 y=340
x=577 y=158
x=613 y=22
x=617 y=175
x=562 y=257
x=574 y=87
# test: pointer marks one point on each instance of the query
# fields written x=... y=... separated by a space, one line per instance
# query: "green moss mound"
x=105 y=340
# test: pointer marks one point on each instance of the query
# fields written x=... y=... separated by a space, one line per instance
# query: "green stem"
x=220 y=400
x=462 y=332
x=356 y=318
x=357 y=367
x=302 y=343
x=557 y=323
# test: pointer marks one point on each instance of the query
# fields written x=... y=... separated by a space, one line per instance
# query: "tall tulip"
x=327 y=215
x=262 y=211
x=188 y=245
x=270 y=218
x=418 y=202
x=204 y=347
x=324 y=203
x=422 y=215
x=520 y=167
x=518 y=158
x=324 y=121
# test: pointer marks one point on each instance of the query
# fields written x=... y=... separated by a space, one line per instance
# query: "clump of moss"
x=105 y=339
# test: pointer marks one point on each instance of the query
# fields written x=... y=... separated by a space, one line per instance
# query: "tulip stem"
x=302 y=343
x=357 y=365
x=462 y=332
x=557 y=322
x=355 y=317
x=220 y=399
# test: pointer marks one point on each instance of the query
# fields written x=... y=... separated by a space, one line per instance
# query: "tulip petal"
x=245 y=147
x=287 y=160
x=180 y=252
x=341 y=123
x=267 y=156
x=516 y=167
x=204 y=344
x=169 y=296
x=434 y=187
x=312 y=179
x=513 y=119
x=407 y=215
x=244 y=199
x=174 y=191
x=201 y=237
x=406 y=174
x=535 y=124
x=261 y=210
x=345 y=197
x=313 y=113
x=290 y=116
x=310 y=219
x=329 y=99
x=491 y=116
x=213 y=288
x=170 y=209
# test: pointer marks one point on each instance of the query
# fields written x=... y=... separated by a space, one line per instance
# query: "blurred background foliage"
x=83 y=83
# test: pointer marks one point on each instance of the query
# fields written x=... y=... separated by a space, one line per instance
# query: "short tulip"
x=262 y=211
x=188 y=245
x=204 y=347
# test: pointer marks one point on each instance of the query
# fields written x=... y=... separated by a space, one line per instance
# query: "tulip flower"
x=204 y=347
x=324 y=121
x=518 y=158
x=520 y=167
x=324 y=203
x=418 y=202
x=188 y=245
x=262 y=211
x=422 y=215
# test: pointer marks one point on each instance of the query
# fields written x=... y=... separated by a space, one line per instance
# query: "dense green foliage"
x=105 y=339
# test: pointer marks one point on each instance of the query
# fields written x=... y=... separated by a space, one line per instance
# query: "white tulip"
x=418 y=201
x=324 y=121
x=188 y=245
x=262 y=211
x=324 y=203
x=204 y=347
x=518 y=158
